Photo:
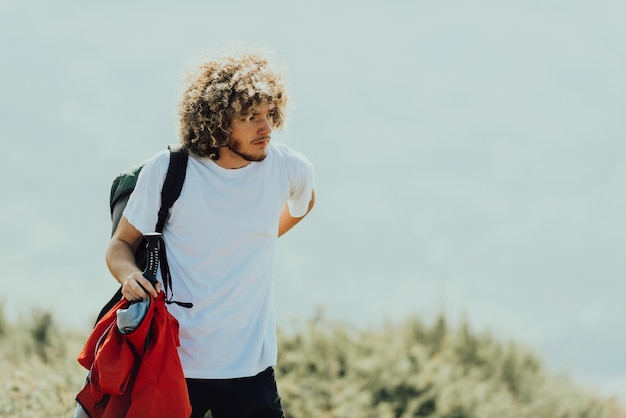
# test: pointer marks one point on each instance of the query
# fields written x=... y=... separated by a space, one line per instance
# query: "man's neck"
x=229 y=160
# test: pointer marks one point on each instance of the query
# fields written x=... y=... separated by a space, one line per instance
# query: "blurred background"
x=470 y=158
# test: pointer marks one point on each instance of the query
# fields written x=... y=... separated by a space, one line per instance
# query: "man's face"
x=250 y=135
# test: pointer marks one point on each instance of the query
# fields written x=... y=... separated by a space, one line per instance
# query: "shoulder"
x=156 y=165
x=153 y=169
x=296 y=166
x=160 y=159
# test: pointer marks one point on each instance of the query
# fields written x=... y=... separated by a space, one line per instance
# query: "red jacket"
x=136 y=374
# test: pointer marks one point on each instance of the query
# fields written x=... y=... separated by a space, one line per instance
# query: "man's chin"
x=255 y=157
x=259 y=158
x=259 y=154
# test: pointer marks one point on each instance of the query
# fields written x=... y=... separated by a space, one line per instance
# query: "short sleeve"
x=145 y=200
x=301 y=185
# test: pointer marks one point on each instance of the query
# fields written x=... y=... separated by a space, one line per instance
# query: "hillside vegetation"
x=327 y=369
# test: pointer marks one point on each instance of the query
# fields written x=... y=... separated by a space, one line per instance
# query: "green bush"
x=418 y=370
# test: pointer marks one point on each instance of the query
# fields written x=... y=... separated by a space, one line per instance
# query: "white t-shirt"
x=220 y=241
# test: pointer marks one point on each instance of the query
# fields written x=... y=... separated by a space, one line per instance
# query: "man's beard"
x=235 y=146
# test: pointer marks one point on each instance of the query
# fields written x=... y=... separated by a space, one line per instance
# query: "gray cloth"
x=80 y=412
x=130 y=318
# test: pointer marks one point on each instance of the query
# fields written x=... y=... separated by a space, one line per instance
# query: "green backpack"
x=125 y=182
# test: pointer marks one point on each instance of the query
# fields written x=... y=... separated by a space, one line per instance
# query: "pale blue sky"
x=469 y=156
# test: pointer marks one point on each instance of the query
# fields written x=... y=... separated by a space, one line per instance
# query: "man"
x=241 y=192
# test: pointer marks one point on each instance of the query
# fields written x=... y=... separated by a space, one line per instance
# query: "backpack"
x=121 y=189
x=124 y=184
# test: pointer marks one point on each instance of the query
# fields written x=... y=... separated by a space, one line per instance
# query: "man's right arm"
x=120 y=258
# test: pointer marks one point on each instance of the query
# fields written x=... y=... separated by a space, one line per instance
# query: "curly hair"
x=222 y=89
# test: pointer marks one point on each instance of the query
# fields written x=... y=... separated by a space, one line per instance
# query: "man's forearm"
x=120 y=260
x=286 y=221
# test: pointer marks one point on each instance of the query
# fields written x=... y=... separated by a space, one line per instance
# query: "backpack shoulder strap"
x=173 y=184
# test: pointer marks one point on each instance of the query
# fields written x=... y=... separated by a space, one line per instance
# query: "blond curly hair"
x=224 y=88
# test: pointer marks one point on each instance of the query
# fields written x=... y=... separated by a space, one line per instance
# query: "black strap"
x=173 y=183
x=155 y=250
x=167 y=280
x=172 y=186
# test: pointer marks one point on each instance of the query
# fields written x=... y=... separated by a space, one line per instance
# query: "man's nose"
x=266 y=126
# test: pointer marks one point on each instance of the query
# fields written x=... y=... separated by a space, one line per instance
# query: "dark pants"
x=246 y=397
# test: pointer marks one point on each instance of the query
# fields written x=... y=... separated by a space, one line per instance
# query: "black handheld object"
x=154 y=256
x=153 y=243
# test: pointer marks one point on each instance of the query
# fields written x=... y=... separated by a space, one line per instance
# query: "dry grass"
x=38 y=369
x=328 y=370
